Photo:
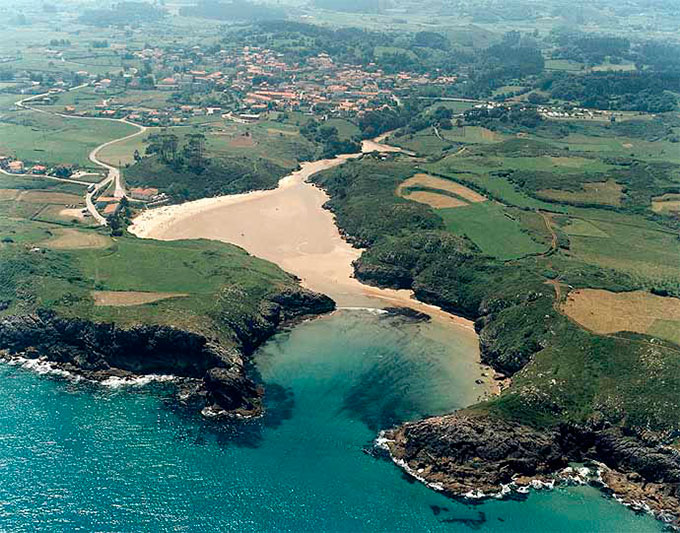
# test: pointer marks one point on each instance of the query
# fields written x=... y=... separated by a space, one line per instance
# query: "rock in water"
x=466 y=453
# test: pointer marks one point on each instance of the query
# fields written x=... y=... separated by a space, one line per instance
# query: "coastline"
x=290 y=227
x=470 y=456
x=210 y=374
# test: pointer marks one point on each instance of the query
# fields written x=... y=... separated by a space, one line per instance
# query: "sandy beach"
x=289 y=227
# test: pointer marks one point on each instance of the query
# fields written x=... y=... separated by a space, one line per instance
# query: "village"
x=239 y=84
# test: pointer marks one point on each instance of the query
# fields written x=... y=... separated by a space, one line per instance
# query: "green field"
x=85 y=99
x=495 y=230
x=220 y=284
x=39 y=137
x=632 y=246
x=564 y=65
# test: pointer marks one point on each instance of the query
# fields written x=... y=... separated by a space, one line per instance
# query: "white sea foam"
x=43 y=367
x=116 y=382
x=372 y=310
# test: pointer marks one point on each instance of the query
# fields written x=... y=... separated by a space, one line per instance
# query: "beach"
x=287 y=226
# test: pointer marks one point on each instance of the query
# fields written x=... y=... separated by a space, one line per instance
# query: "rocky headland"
x=471 y=454
x=212 y=374
x=569 y=395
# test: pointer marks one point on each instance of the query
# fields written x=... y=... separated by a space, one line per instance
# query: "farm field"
x=637 y=248
x=38 y=137
x=667 y=203
x=494 y=229
x=637 y=311
x=620 y=146
x=85 y=99
x=427 y=142
x=603 y=193
x=75 y=239
x=131 y=298
x=435 y=185
x=498 y=187
x=122 y=153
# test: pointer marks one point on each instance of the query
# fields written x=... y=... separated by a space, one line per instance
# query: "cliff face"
x=465 y=453
x=98 y=350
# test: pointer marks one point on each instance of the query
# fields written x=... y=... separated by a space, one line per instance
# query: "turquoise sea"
x=77 y=457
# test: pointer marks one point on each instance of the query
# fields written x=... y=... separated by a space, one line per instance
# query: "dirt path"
x=554 y=243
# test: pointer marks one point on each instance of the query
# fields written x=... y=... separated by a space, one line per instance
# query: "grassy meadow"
x=494 y=229
x=39 y=137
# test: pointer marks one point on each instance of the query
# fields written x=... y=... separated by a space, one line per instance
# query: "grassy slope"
x=39 y=137
x=225 y=286
x=575 y=374
x=492 y=228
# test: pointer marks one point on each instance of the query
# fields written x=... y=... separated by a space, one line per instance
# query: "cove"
x=75 y=456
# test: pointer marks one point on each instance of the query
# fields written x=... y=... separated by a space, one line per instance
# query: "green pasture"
x=493 y=228
x=40 y=137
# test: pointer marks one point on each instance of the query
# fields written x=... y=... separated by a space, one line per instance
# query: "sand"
x=289 y=227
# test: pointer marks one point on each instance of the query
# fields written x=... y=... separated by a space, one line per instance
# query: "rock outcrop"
x=475 y=454
x=97 y=351
x=464 y=453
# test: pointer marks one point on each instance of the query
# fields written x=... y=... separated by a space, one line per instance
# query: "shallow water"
x=74 y=456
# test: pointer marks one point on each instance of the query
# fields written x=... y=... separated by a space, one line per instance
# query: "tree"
x=194 y=151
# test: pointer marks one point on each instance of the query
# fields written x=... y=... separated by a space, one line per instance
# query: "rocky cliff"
x=218 y=372
x=474 y=454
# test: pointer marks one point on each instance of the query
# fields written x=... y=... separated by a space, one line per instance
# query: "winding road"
x=113 y=173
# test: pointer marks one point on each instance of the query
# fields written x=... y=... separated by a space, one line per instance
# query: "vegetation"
x=38 y=137
x=496 y=264
x=123 y=13
x=186 y=181
x=222 y=286
x=235 y=10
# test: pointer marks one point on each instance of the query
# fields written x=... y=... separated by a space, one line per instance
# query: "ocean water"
x=78 y=457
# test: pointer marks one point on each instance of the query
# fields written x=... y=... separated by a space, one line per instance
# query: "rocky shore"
x=472 y=454
x=213 y=376
x=469 y=454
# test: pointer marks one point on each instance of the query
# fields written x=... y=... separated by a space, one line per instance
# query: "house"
x=16 y=167
x=249 y=117
x=140 y=193
x=167 y=84
x=39 y=169
x=110 y=209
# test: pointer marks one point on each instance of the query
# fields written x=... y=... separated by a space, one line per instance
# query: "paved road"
x=114 y=172
x=89 y=200
x=42 y=176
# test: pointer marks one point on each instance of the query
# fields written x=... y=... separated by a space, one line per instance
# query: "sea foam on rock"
x=475 y=455
x=118 y=356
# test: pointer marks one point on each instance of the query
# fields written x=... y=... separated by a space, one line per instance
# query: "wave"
x=373 y=310
x=45 y=367
x=116 y=382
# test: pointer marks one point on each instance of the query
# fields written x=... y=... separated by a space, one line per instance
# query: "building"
x=146 y=194
x=16 y=167
x=110 y=209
